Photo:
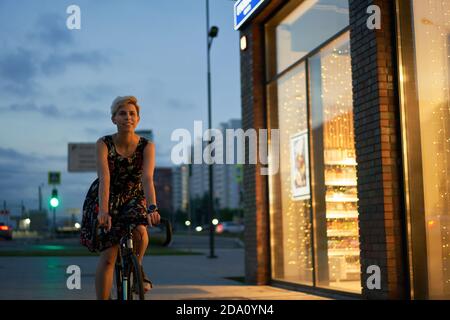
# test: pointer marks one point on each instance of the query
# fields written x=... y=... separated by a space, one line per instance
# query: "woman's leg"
x=105 y=272
x=140 y=240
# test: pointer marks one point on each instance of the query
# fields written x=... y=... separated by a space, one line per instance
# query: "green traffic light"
x=54 y=202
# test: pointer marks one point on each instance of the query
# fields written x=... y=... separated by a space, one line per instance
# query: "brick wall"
x=257 y=269
x=378 y=152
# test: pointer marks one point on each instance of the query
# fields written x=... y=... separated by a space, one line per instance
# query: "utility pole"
x=210 y=35
x=7 y=213
x=40 y=198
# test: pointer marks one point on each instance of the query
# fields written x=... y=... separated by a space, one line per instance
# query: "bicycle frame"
x=124 y=260
x=123 y=263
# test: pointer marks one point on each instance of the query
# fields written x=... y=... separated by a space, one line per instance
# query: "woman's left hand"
x=153 y=218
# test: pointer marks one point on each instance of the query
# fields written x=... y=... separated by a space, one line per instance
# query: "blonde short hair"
x=123 y=101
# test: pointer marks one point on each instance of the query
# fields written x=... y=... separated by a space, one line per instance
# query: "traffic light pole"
x=54 y=223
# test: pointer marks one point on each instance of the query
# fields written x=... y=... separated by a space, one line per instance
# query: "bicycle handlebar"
x=168 y=227
x=137 y=220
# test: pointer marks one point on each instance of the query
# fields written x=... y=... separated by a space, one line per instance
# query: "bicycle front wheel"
x=136 y=287
x=117 y=292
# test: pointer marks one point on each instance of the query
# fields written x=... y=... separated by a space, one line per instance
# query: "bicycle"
x=128 y=276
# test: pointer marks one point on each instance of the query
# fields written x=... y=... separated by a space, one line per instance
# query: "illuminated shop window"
x=424 y=85
x=313 y=199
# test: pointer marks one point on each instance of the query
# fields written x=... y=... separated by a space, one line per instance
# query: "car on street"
x=230 y=227
x=5 y=231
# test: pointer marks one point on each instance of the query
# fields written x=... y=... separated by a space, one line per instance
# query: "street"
x=173 y=276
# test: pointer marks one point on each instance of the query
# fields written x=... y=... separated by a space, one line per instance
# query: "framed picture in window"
x=300 y=187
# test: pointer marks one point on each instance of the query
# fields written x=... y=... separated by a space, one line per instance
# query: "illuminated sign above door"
x=243 y=9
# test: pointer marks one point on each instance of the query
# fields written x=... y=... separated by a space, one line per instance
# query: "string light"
x=432 y=49
x=340 y=163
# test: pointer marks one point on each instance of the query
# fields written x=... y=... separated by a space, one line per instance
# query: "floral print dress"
x=126 y=196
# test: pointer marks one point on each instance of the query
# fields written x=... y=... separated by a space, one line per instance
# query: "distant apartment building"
x=226 y=179
x=180 y=188
x=227 y=187
x=199 y=177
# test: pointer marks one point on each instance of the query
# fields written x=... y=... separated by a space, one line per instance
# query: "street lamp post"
x=210 y=35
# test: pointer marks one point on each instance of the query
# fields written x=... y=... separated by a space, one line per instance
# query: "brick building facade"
x=390 y=232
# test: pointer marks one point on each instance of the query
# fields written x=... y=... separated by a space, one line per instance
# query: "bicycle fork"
x=127 y=248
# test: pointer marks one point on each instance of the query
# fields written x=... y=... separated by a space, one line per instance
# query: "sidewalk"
x=198 y=277
x=175 y=277
x=227 y=292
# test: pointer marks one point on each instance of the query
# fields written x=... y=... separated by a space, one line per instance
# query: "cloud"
x=91 y=114
x=51 y=30
x=18 y=68
x=97 y=132
x=58 y=63
x=21 y=66
x=14 y=163
x=98 y=92
x=21 y=174
x=90 y=93
x=24 y=160
x=48 y=110
x=10 y=162
x=179 y=105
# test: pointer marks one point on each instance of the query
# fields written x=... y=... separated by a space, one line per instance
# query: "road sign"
x=54 y=177
x=82 y=157
x=243 y=9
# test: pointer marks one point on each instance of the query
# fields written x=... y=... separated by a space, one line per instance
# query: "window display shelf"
x=342 y=214
x=342 y=252
x=341 y=183
x=335 y=198
x=341 y=163
x=341 y=233
x=341 y=197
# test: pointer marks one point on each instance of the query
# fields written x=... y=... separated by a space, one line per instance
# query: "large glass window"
x=290 y=192
x=336 y=210
x=313 y=200
x=308 y=24
x=425 y=77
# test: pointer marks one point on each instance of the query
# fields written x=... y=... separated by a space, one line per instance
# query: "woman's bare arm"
x=104 y=180
x=147 y=175
x=147 y=180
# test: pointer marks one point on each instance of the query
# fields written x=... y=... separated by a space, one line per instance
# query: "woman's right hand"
x=104 y=219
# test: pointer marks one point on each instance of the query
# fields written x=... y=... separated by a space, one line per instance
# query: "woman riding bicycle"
x=124 y=187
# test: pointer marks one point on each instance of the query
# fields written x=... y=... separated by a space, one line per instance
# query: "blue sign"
x=243 y=9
